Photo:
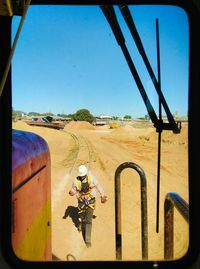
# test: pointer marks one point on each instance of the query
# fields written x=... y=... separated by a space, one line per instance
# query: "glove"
x=103 y=199
x=72 y=191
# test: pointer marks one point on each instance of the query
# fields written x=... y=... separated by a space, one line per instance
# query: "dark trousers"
x=86 y=215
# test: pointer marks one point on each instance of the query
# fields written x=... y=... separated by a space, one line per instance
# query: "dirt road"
x=103 y=150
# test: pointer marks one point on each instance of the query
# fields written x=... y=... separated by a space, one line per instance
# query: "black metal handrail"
x=144 y=224
x=172 y=200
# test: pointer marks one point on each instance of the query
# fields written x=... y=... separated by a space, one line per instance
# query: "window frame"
x=193 y=147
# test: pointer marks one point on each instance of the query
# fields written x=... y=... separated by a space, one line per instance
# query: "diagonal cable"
x=131 y=25
x=112 y=20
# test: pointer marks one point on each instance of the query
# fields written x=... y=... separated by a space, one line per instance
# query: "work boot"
x=88 y=244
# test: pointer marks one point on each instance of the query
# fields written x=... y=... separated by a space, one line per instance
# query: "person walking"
x=84 y=187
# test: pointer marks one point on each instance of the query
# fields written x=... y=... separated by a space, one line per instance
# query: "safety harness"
x=86 y=199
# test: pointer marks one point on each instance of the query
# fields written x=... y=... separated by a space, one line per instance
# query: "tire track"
x=83 y=152
x=77 y=149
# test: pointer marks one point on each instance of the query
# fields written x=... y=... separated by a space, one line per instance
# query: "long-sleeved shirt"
x=93 y=186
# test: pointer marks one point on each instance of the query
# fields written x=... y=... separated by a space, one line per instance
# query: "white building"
x=102 y=120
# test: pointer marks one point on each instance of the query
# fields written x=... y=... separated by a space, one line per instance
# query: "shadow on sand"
x=72 y=212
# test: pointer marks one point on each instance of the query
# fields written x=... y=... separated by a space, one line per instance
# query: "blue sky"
x=67 y=59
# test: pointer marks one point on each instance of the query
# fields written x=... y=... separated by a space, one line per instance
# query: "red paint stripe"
x=28 y=168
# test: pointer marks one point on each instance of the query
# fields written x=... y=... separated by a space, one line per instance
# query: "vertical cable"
x=159 y=129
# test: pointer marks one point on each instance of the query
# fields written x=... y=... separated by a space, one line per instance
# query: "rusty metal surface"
x=54 y=125
x=12 y=7
x=168 y=230
x=6 y=8
x=172 y=200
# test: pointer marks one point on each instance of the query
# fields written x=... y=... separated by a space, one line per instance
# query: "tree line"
x=80 y=115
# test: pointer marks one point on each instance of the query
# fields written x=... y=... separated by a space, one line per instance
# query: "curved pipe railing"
x=172 y=200
x=144 y=225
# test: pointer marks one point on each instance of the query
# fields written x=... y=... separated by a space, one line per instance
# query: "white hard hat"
x=82 y=170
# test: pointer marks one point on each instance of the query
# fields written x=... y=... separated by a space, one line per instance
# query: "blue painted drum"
x=26 y=145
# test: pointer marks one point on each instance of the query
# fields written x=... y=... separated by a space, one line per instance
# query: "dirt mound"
x=103 y=127
x=21 y=125
x=150 y=134
x=167 y=136
x=81 y=125
x=131 y=130
x=171 y=138
x=142 y=124
x=125 y=129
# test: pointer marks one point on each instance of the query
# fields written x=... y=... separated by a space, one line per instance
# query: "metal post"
x=168 y=229
x=172 y=200
x=159 y=129
x=144 y=224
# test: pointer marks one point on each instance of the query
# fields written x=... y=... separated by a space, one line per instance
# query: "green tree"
x=83 y=115
x=17 y=113
x=33 y=114
x=70 y=116
x=48 y=114
x=127 y=117
x=115 y=117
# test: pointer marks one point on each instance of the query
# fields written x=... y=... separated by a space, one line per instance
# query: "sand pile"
x=122 y=130
x=21 y=125
x=81 y=125
x=142 y=124
x=131 y=130
x=171 y=138
x=102 y=127
x=150 y=134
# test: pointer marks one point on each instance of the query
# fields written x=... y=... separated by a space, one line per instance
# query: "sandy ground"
x=103 y=150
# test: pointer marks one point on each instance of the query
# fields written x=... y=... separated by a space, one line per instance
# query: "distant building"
x=102 y=120
x=59 y=118
x=45 y=118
